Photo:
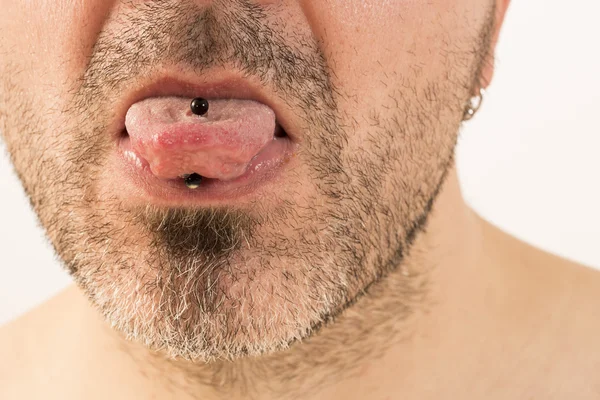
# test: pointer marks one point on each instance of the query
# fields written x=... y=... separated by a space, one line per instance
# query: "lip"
x=134 y=178
x=211 y=84
x=139 y=184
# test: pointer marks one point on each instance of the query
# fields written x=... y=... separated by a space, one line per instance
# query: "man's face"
x=370 y=94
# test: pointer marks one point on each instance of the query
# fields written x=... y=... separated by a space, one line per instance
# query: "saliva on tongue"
x=219 y=144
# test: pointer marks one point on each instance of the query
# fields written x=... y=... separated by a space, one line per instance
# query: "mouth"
x=167 y=155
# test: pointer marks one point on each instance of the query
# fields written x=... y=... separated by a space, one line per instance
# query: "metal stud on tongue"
x=192 y=181
x=199 y=106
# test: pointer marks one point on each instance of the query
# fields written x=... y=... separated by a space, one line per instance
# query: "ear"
x=487 y=72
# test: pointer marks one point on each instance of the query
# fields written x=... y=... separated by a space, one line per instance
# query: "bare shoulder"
x=578 y=326
x=574 y=286
x=554 y=311
x=25 y=346
x=14 y=358
x=571 y=288
x=582 y=299
x=572 y=357
x=581 y=288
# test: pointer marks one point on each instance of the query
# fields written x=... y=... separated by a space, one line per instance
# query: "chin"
x=213 y=313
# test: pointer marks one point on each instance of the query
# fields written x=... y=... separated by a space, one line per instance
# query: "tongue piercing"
x=192 y=181
x=199 y=106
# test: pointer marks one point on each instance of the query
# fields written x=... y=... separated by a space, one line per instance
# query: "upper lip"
x=210 y=84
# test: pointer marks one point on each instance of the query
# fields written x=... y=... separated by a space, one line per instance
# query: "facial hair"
x=220 y=282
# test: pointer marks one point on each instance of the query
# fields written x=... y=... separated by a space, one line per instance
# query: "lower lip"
x=135 y=173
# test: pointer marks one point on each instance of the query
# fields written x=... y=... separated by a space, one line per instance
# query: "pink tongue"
x=220 y=144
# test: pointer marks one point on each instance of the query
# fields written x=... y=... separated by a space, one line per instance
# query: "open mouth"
x=217 y=149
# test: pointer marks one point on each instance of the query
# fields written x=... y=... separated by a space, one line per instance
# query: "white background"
x=529 y=162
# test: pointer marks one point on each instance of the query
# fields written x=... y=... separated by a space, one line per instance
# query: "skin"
x=360 y=274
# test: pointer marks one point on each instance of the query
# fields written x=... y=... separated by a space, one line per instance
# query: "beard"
x=222 y=282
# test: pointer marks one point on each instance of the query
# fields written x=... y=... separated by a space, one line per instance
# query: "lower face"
x=372 y=100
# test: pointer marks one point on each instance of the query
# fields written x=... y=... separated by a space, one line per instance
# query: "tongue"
x=220 y=144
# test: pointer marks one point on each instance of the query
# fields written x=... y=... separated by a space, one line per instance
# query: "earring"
x=474 y=105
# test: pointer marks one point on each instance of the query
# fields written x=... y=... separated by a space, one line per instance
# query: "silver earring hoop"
x=474 y=105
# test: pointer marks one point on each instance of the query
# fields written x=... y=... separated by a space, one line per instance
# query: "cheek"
x=48 y=44
x=40 y=59
x=373 y=45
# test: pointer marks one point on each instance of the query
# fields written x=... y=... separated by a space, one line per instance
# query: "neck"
x=396 y=338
